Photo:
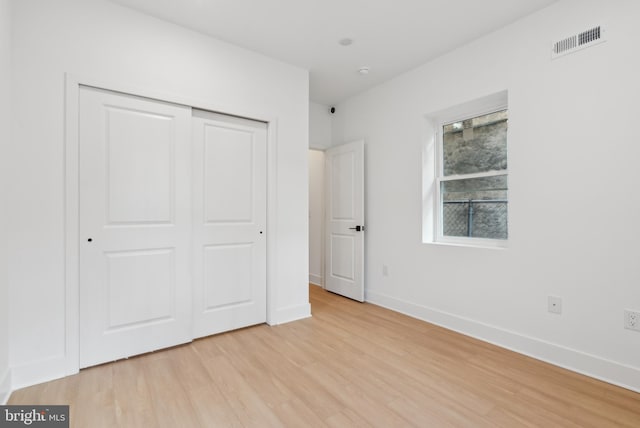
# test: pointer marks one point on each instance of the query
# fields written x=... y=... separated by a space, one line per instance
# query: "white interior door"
x=230 y=205
x=135 y=225
x=344 y=261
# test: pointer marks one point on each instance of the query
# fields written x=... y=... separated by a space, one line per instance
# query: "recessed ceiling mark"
x=346 y=41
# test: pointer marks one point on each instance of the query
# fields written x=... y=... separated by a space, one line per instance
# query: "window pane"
x=476 y=145
x=475 y=207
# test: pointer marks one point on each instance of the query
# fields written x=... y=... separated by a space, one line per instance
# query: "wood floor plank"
x=251 y=358
x=350 y=365
x=242 y=398
x=211 y=408
x=132 y=395
x=96 y=387
x=347 y=418
x=296 y=413
x=322 y=400
x=188 y=367
x=167 y=396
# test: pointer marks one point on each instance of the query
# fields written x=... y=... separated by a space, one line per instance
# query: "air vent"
x=577 y=42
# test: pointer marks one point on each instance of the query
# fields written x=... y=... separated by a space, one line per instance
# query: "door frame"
x=323 y=218
x=72 y=197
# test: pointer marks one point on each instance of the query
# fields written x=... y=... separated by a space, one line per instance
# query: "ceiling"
x=389 y=36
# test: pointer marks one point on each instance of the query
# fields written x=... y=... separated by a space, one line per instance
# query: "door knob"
x=357 y=228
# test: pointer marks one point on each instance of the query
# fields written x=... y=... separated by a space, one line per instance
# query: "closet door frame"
x=70 y=363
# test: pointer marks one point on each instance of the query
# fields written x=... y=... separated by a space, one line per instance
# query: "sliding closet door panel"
x=135 y=226
x=229 y=222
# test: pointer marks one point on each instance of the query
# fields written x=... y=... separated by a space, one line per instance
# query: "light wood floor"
x=351 y=364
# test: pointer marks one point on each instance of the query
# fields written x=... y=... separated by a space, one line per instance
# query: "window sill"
x=482 y=244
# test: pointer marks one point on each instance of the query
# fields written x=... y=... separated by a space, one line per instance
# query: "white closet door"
x=230 y=158
x=135 y=226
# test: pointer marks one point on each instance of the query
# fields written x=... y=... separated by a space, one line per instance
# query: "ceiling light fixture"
x=363 y=71
x=345 y=42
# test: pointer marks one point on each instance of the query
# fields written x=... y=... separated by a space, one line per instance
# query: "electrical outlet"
x=385 y=270
x=554 y=305
x=631 y=320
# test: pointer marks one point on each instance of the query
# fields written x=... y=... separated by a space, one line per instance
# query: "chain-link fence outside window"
x=480 y=218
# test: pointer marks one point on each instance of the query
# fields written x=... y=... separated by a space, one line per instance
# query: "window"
x=471 y=179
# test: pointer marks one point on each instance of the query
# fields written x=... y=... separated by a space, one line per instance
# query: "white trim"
x=70 y=362
x=318 y=279
x=272 y=217
x=39 y=371
x=71 y=225
x=293 y=313
x=571 y=359
x=5 y=387
x=315 y=279
x=487 y=244
x=470 y=242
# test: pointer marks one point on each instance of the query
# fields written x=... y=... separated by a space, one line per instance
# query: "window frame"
x=465 y=112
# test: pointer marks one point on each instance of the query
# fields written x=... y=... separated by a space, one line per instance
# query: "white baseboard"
x=590 y=365
x=293 y=313
x=5 y=387
x=315 y=279
x=39 y=372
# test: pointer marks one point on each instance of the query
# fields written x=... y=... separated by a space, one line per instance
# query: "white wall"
x=5 y=135
x=102 y=40
x=316 y=216
x=319 y=126
x=574 y=203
